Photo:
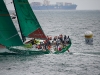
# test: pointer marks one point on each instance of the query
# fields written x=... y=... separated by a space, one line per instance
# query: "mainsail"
x=28 y=22
x=8 y=33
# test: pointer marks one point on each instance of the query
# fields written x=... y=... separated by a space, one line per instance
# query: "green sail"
x=8 y=33
x=27 y=19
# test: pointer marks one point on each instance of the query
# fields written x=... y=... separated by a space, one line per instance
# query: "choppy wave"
x=82 y=59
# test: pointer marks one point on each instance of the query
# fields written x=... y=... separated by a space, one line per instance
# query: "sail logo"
x=38 y=34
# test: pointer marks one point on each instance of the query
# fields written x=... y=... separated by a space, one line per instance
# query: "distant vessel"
x=58 y=6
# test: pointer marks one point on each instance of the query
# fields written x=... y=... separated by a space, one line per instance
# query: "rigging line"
x=12 y=36
x=8 y=38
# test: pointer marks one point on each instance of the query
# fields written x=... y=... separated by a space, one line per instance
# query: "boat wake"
x=86 y=53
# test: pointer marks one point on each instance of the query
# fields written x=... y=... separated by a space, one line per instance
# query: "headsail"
x=8 y=33
x=27 y=20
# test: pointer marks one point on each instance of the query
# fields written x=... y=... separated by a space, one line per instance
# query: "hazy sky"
x=82 y=4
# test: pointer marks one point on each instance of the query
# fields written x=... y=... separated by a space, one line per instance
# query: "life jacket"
x=49 y=47
x=36 y=41
x=59 y=49
x=49 y=38
x=38 y=46
x=45 y=41
x=29 y=45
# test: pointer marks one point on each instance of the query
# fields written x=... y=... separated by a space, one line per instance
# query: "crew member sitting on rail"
x=33 y=41
x=68 y=40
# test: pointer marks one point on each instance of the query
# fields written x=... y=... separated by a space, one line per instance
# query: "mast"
x=23 y=37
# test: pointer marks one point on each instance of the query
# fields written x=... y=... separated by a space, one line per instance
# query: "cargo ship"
x=58 y=6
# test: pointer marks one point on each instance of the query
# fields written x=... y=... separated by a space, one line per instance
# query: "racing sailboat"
x=29 y=27
x=28 y=24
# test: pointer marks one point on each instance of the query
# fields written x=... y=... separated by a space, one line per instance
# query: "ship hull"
x=37 y=52
x=31 y=51
x=68 y=7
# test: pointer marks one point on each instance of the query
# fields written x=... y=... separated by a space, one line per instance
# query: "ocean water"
x=82 y=59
